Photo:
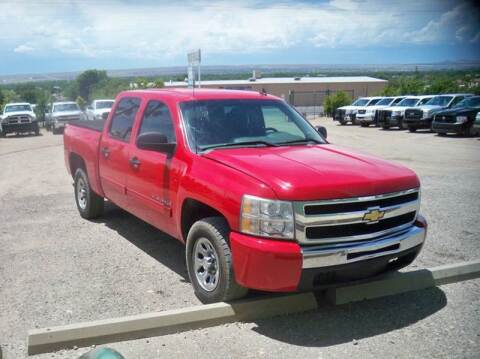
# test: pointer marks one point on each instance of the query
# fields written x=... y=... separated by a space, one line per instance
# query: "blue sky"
x=68 y=35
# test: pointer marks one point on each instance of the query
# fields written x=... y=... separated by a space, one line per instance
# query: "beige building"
x=300 y=91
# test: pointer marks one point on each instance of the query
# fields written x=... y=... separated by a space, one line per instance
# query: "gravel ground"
x=56 y=268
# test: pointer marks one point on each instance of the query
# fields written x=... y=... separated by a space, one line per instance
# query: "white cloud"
x=162 y=31
x=23 y=49
x=458 y=24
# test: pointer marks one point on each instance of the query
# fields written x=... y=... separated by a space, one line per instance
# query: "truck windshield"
x=408 y=102
x=104 y=104
x=385 y=101
x=440 y=101
x=239 y=123
x=469 y=102
x=66 y=107
x=373 y=102
x=16 y=108
x=361 y=102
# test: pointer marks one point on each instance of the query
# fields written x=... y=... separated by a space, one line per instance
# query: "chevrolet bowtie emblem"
x=373 y=215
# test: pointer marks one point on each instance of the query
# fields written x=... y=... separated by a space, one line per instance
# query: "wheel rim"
x=81 y=193
x=206 y=264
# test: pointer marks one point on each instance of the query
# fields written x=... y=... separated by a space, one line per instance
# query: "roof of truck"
x=188 y=94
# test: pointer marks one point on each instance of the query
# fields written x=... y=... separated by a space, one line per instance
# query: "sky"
x=42 y=36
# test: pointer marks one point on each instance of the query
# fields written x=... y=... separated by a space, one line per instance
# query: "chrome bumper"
x=345 y=253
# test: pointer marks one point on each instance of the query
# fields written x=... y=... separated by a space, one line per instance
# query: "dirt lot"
x=56 y=268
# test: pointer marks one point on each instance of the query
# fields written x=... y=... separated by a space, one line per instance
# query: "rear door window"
x=123 y=118
x=157 y=118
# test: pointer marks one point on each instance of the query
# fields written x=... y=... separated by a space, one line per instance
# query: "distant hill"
x=313 y=69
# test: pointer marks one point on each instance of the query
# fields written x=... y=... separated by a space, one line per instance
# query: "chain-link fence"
x=310 y=103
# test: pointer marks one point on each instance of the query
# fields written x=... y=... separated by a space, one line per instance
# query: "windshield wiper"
x=235 y=144
x=306 y=140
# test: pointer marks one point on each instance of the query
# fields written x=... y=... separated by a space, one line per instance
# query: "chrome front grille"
x=355 y=219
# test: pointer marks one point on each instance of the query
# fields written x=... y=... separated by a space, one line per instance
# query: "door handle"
x=135 y=162
x=105 y=152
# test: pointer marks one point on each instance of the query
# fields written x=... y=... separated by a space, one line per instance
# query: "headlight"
x=267 y=218
x=426 y=113
x=396 y=113
x=98 y=116
x=462 y=119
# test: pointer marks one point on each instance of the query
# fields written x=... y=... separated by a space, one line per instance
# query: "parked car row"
x=20 y=117
x=448 y=113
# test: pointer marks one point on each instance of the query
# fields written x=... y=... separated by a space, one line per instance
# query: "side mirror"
x=105 y=115
x=322 y=131
x=155 y=141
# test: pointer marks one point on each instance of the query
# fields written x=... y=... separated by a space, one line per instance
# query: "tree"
x=87 y=81
x=332 y=102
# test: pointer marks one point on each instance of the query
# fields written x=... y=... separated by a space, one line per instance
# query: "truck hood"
x=66 y=113
x=18 y=113
x=458 y=111
x=317 y=172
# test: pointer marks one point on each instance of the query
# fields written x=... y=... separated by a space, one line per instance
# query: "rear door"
x=151 y=173
x=114 y=149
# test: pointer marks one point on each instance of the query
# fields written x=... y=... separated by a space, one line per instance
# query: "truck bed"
x=96 y=125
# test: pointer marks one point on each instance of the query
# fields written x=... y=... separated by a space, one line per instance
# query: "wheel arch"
x=194 y=210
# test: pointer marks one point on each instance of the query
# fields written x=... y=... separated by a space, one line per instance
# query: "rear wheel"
x=342 y=122
x=89 y=204
x=364 y=124
x=209 y=262
x=412 y=129
x=385 y=126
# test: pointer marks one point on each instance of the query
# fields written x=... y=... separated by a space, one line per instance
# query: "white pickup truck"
x=369 y=116
x=394 y=116
x=18 y=118
x=347 y=114
x=63 y=113
x=98 y=109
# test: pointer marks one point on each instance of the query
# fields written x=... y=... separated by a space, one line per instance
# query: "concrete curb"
x=397 y=282
x=167 y=322
x=173 y=321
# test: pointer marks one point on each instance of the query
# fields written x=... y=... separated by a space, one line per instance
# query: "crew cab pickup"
x=422 y=116
x=459 y=119
x=259 y=197
x=63 y=113
x=394 y=116
x=18 y=118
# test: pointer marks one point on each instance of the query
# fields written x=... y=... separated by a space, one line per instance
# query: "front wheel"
x=412 y=129
x=89 y=204
x=209 y=262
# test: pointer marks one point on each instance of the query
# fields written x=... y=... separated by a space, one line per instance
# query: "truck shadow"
x=332 y=325
x=157 y=244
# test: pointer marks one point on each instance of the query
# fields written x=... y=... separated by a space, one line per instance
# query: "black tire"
x=91 y=205
x=215 y=230
x=442 y=134
x=364 y=124
x=36 y=129
x=342 y=122
x=412 y=129
x=386 y=127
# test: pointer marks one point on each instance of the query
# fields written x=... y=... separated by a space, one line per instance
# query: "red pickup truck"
x=259 y=197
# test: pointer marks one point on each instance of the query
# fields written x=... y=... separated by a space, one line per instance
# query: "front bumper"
x=282 y=266
x=448 y=127
x=418 y=122
x=19 y=127
x=367 y=118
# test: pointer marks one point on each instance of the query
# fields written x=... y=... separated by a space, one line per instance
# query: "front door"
x=114 y=149
x=150 y=177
